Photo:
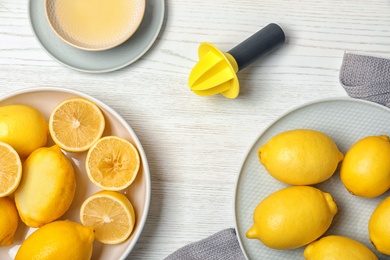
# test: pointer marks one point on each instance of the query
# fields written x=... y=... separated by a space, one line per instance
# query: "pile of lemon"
x=38 y=182
x=300 y=214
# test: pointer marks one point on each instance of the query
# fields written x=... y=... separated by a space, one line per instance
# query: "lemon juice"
x=95 y=22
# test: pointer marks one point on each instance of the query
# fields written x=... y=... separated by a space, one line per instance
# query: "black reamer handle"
x=259 y=44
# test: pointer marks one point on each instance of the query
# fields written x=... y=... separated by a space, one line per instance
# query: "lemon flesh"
x=338 y=247
x=76 y=124
x=300 y=157
x=47 y=187
x=379 y=228
x=112 y=163
x=365 y=170
x=10 y=169
x=292 y=217
x=60 y=240
x=111 y=215
x=8 y=221
x=23 y=127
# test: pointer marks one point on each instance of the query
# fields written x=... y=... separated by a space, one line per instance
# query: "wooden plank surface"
x=195 y=145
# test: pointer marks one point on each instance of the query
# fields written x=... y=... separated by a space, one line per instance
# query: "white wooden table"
x=195 y=145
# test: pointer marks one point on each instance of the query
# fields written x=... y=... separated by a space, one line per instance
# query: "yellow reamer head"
x=214 y=73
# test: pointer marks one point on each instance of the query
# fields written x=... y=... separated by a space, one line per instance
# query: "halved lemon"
x=10 y=169
x=76 y=124
x=112 y=163
x=110 y=214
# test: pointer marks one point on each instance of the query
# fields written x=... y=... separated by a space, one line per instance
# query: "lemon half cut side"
x=110 y=214
x=112 y=163
x=76 y=124
x=10 y=170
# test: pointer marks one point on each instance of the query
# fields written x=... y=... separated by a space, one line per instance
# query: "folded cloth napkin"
x=366 y=77
x=362 y=77
x=221 y=245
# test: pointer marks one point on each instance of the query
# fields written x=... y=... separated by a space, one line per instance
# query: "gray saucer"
x=101 y=61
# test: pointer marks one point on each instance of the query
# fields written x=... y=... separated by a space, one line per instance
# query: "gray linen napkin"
x=221 y=245
x=366 y=77
x=362 y=77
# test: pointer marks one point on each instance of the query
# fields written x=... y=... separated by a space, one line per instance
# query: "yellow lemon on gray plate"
x=338 y=247
x=292 y=217
x=365 y=170
x=379 y=228
x=300 y=156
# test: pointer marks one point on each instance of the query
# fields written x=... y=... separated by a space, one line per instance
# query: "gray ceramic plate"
x=346 y=121
x=102 y=61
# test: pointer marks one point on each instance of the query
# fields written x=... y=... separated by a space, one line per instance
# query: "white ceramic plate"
x=45 y=99
x=346 y=121
x=99 y=61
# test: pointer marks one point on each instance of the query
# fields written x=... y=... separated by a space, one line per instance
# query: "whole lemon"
x=292 y=217
x=60 y=240
x=365 y=170
x=47 y=187
x=8 y=221
x=23 y=127
x=379 y=228
x=300 y=156
x=338 y=247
